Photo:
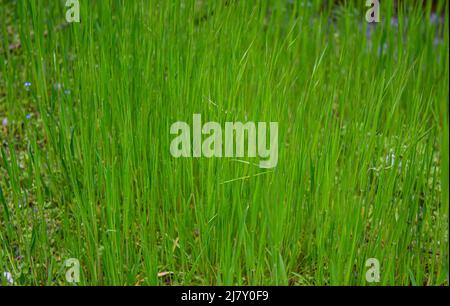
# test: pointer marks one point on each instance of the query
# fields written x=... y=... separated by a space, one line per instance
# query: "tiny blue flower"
x=27 y=85
x=29 y=116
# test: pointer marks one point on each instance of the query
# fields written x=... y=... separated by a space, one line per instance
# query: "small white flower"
x=5 y=122
x=8 y=277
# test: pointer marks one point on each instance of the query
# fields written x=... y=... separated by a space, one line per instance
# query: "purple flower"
x=5 y=121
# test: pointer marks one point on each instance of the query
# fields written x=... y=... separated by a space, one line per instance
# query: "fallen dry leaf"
x=162 y=274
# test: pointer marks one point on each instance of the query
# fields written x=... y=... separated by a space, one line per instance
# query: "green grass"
x=363 y=143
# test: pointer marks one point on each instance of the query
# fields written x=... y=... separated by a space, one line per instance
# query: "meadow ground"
x=86 y=171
